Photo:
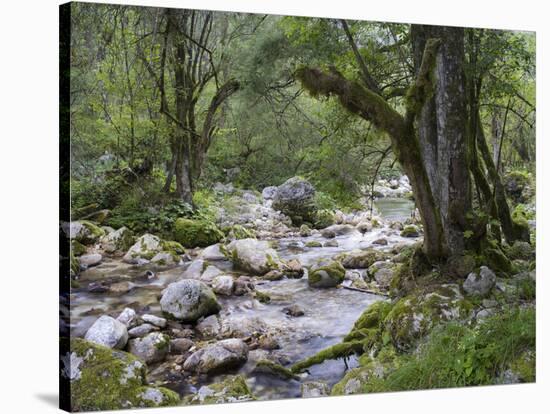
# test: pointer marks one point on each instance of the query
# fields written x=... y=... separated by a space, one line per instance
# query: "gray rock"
x=218 y=357
x=209 y=327
x=338 y=230
x=210 y=273
x=89 y=260
x=181 y=345
x=480 y=284
x=223 y=285
x=188 y=300
x=296 y=198
x=294 y=310
x=120 y=239
x=268 y=193
x=314 y=389
x=154 y=320
x=330 y=243
x=152 y=348
x=127 y=317
x=194 y=270
x=253 y=256
x=384 y=277
x=142 y=330
x=165 y=259
x=108 y=332
x=212 y=253
x=146 y=247
x=243 y=285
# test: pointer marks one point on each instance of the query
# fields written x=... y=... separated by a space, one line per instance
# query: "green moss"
x=326 y=275
x=410 y=231
x=196 y=233
x=262 y=297
x=173 y=247
x=77 y=248
x=372 y=317
x=231 y=389
x=313 y=244
x=93 y=228
x=266 y=366
x=168 y=397
x=110 y=380
x=480 y=355
x=341 y=350
x=323 y=219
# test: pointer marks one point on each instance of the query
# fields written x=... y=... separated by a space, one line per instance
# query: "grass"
x=457 y=356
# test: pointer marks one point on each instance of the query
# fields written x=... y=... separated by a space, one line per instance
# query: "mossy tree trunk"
x=430 y=139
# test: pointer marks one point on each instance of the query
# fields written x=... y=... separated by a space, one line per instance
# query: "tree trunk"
x=184 y=188
x=454 y=184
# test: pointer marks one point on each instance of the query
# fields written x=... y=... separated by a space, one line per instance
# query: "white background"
x=29 y=204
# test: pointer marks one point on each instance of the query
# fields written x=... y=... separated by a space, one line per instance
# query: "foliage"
x=479 y=356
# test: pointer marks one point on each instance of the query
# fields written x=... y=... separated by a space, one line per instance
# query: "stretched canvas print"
x=258 y=207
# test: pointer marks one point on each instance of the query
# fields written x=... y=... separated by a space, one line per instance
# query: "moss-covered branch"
x=354 y=97
x=341 y=350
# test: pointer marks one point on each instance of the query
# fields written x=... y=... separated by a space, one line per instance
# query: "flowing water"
x=329 y=313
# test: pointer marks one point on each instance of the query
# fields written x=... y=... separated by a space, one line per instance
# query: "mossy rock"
x=326 y=274
x=231 y=389
x=460 y=266
x=410 y=231
x=413 y=316
x=367 y=377
x=313 y=243
x=106 y=379
x=305 y=231
x=173 y=247
x=360 y=259
x=77 y=248
x=90 y=232
x=196 y=233
x=265 y=366
x=323 y=219
x=74 y=265
x=371 y=319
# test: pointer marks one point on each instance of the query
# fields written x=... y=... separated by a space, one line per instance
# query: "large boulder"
x=121 y=239
x=218 y=357
x=481 y=283
x=104 y=379
x=108 y=332
x=253 y=256
x=151 y=348
x=188 y=300
x=145 y=248
x=325 y=274
x=414 y=316
x=296 y=199
x=196 y=233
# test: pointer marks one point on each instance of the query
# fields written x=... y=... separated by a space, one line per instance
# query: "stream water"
x=329 y=313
